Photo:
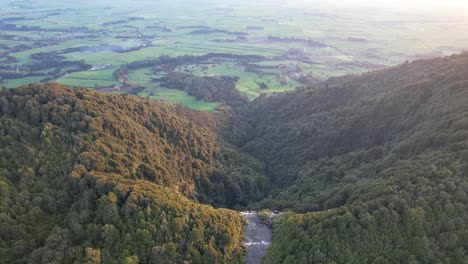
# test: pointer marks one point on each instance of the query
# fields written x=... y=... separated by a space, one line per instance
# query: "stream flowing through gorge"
x=258 y=238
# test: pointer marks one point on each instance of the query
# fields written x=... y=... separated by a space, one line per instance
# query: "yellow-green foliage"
x=87 y=176
x=264 y=215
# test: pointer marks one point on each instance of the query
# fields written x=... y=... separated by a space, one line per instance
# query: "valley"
x=200 y=132
x=97 y=177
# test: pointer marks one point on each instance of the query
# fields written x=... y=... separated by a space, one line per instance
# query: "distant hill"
x=378 y=161
x=89 y=177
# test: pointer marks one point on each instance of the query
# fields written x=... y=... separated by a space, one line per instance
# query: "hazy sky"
x=424 y=7
x=434 y=6
x=420 y=3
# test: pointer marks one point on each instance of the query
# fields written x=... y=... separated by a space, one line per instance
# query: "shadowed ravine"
x=258 y=238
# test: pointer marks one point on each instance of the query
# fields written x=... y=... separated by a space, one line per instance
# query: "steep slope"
x=90 y=177
x=378 y=160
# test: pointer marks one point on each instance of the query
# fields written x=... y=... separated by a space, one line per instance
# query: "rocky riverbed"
x=258 y=238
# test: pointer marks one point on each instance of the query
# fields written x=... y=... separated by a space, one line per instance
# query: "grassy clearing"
x=89 y=79
x=23 y=81
x=178 y=97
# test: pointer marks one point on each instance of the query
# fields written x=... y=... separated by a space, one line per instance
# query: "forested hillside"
x=377 y=163
x=367 y=168
x=90 y=177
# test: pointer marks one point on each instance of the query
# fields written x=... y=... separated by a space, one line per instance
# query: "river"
x=258 y=238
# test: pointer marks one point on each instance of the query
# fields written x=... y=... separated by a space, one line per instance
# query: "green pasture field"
x=89 y=79
x=13 y=83
x=178 y=97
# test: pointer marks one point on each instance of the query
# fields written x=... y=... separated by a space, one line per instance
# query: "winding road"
x=258 y=238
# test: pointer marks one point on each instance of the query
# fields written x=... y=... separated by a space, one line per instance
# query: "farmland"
x=269 y=47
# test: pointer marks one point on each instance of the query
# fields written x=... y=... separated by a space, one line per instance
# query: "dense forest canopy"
x=378 y=161
x=89 y=177
x=367 y=168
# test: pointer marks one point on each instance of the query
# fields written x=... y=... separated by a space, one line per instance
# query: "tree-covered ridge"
x=88 y=177
x=379 y=162
x=126 y=133
x=141 y=139
x=367 y=116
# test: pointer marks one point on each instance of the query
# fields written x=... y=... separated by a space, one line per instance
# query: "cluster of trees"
x=206 y=31
x=307 y=42
x=377 y=163
x=14 y=27
x=264 y=216
x=98 y=48
x=112 y=23
x=208 y=88
x=113 y=178
x=9 y=73
x=39 y=63
x=15 y=37
x=260 y=70
x=47 y=60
